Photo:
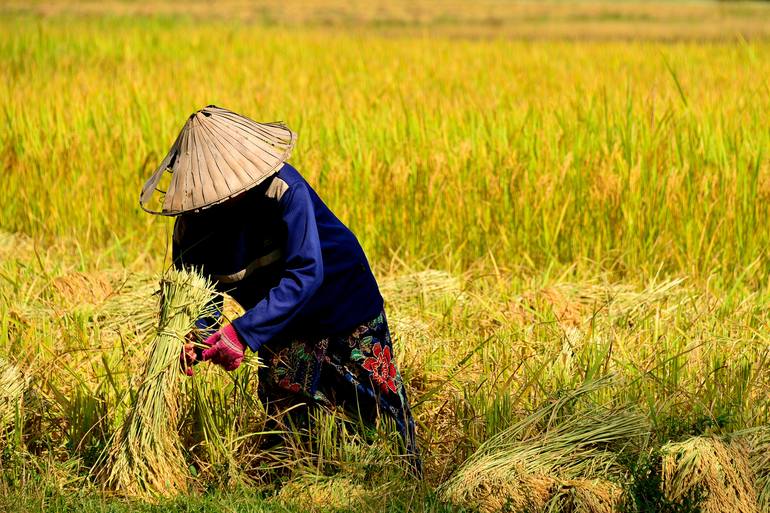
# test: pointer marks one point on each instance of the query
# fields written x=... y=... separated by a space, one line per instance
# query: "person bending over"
x=251 y=223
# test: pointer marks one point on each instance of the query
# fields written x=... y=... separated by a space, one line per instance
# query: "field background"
x=552 y=193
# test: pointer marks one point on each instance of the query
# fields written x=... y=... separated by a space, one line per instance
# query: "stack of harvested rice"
x=719 y=470
x=586 y=496
x=531 y=467
x=759 y=458
x=145 y=457
x=12 y=385
x=116 y=301
x=420 y=286
x=15 y=246
x=497 y=491
x=309 y=492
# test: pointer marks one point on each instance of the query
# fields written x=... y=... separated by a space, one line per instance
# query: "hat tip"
x=203 y=110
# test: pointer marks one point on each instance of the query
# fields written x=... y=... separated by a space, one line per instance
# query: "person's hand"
x=225 y=349
x=190 y=354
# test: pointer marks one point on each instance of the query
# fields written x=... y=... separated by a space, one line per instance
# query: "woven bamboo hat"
x=217 y=155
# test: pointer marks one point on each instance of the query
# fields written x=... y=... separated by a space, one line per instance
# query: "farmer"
x=250 y=222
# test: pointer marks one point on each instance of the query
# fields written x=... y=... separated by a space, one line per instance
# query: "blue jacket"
x=281 y=253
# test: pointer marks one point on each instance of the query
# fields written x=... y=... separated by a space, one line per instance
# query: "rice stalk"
x=215 y=416
x=131 y=310
x=718 y=469
x=145 y=457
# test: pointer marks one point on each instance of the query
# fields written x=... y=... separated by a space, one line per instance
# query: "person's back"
x=241 y=244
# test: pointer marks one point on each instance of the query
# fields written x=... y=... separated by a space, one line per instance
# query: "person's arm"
x=300 y=279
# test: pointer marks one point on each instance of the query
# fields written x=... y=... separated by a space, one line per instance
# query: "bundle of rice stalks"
x=759 y=459
x=409 y=328
x=514 y=491
x=15 y=246
x=420 y=287
x=322 y=493
x=720 y=471
x=132 y=305
x=77 y=288
x=144 y=458
x=12 y=386
x=568 y=303
x=624 y=301
x=574 y=303
x=585 y=496
x=579 y=446
x=113 y=300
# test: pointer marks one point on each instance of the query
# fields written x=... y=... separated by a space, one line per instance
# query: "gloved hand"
x=225 y=348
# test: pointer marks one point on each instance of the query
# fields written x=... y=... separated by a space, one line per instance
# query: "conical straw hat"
x=217 y=155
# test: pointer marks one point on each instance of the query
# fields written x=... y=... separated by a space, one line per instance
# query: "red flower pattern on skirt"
x=382 y=369
x=286 y=384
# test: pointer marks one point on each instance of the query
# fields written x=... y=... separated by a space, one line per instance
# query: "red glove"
x=225 y=348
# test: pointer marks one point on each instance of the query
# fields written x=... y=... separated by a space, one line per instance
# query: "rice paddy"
x=565 y=205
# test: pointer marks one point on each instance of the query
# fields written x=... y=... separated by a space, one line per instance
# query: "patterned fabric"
x=356 y=372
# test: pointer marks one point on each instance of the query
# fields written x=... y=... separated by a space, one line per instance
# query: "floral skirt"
x=356 y=372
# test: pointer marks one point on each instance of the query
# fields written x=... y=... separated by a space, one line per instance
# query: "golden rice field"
x=566 y=205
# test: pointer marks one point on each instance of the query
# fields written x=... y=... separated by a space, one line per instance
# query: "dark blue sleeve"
x=300 y=279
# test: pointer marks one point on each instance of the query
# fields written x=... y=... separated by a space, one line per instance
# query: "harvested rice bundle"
x=145 y=457
x=131 y=307
x=15 y=246
x=512 y=490
x=117 y=300
x=579 y=446
x=323 y=493
x=585 y=496
x=420 y=287
x=722 y=472
x=78 y=288
x=12 y=385
x=760 y=464
x=574 y=303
